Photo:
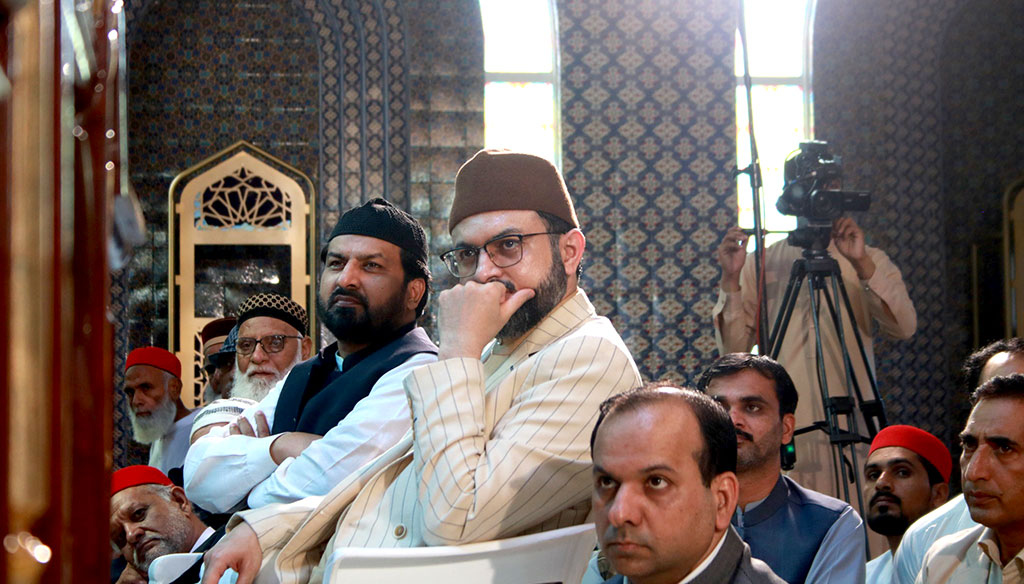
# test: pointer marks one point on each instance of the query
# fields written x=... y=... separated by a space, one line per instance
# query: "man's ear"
x=788 y=427
x=571 y=244
x=307 y=348
x=180 y=500
x=174 y=388
x=725 y=488
x=940 y=493
x=414 y=292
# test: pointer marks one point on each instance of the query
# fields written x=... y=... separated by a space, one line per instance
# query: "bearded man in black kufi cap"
x=346 y=405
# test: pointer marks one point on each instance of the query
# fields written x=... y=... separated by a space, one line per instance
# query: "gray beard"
x=208 y=394
x=149 y=429
x=174 y=540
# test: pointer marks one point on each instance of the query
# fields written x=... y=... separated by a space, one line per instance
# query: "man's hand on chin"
x=471 y=314
x=239 y=551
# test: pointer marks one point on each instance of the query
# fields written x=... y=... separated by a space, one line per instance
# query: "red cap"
x=154 y=357
x=916 y=440
x=133 y=476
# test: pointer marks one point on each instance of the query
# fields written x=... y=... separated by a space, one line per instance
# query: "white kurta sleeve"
x=374 y=425
x=221 y=469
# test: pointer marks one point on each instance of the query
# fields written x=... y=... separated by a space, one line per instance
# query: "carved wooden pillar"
x=60 y=136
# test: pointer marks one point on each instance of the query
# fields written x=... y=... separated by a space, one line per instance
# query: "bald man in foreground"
x=665 y=489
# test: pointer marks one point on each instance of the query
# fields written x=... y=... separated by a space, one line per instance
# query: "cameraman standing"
x=877 y=294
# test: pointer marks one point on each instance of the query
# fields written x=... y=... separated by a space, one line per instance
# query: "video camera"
x=810 y=177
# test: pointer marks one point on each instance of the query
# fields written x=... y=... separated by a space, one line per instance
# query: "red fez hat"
x=133 y=476
x=918 y=441
x=154 y=357
x=216 y=331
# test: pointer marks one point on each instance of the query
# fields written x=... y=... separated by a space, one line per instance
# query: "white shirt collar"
x=202 y=537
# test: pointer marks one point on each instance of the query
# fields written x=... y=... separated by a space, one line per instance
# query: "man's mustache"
x=508 y=285
x=876 y=496
x=350 y=293
x=746 y=435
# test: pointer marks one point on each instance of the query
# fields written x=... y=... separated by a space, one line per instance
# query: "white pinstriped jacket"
x=499 y=447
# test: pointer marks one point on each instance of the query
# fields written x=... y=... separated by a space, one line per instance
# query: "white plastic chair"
x=168 y=568
x=542 y=558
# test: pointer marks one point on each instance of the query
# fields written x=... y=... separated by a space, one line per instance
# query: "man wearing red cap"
x=906 y=475
x=500 y=423
x=151 y=517
x=219 y=369
x=152 y=384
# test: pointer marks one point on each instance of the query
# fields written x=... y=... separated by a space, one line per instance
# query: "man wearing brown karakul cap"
x=501 y=422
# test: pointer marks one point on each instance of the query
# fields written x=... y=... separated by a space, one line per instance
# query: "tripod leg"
x=873 y=411
x=778 y=332
x=831 y=419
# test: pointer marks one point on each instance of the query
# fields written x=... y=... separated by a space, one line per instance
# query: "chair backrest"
x=168 y=568
x=544 y=558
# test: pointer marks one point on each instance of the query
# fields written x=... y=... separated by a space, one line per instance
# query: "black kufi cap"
x=380 y=219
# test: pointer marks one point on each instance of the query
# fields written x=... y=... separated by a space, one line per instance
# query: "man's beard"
x=758 y=452
x=148 y=429
x=208 y=394
x=349 y=324
x=888 y=523
x=546 y=297
x=173 y=540
x=256 y=388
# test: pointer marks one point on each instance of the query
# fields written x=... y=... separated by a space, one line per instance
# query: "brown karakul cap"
x=502 y=180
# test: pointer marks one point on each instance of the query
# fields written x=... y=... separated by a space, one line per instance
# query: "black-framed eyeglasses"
x=270 y=344
x=504 y=251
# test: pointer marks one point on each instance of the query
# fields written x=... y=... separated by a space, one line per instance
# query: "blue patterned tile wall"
x=921 y=99
x=648 y=130
x=321 y=84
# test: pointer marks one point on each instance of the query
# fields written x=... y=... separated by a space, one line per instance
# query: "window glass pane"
x=517 y=36
x=778 y=124
x=775 y=37
x=520 y=116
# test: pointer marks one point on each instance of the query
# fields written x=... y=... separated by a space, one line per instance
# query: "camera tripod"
x=822 y=273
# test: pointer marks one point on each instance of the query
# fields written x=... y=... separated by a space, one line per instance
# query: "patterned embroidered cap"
x=274 y=306
x=220 y=411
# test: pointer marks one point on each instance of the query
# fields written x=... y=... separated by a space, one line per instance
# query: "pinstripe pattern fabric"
x=499 y=448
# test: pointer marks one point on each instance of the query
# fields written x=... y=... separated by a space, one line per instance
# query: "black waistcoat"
x=315 y=397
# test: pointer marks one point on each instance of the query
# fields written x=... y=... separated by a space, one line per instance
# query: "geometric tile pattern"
x=648 y=128
x=918 y=98
x=446 y=114
x=320 y=84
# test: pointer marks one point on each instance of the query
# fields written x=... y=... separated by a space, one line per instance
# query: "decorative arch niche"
x=240 y=222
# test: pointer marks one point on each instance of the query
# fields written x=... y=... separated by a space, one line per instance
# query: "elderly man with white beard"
x=341 y=408
x=152 y=384
x=271 y=340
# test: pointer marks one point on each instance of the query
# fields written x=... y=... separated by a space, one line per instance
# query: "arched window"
x=521 y=92
x=779 y=48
